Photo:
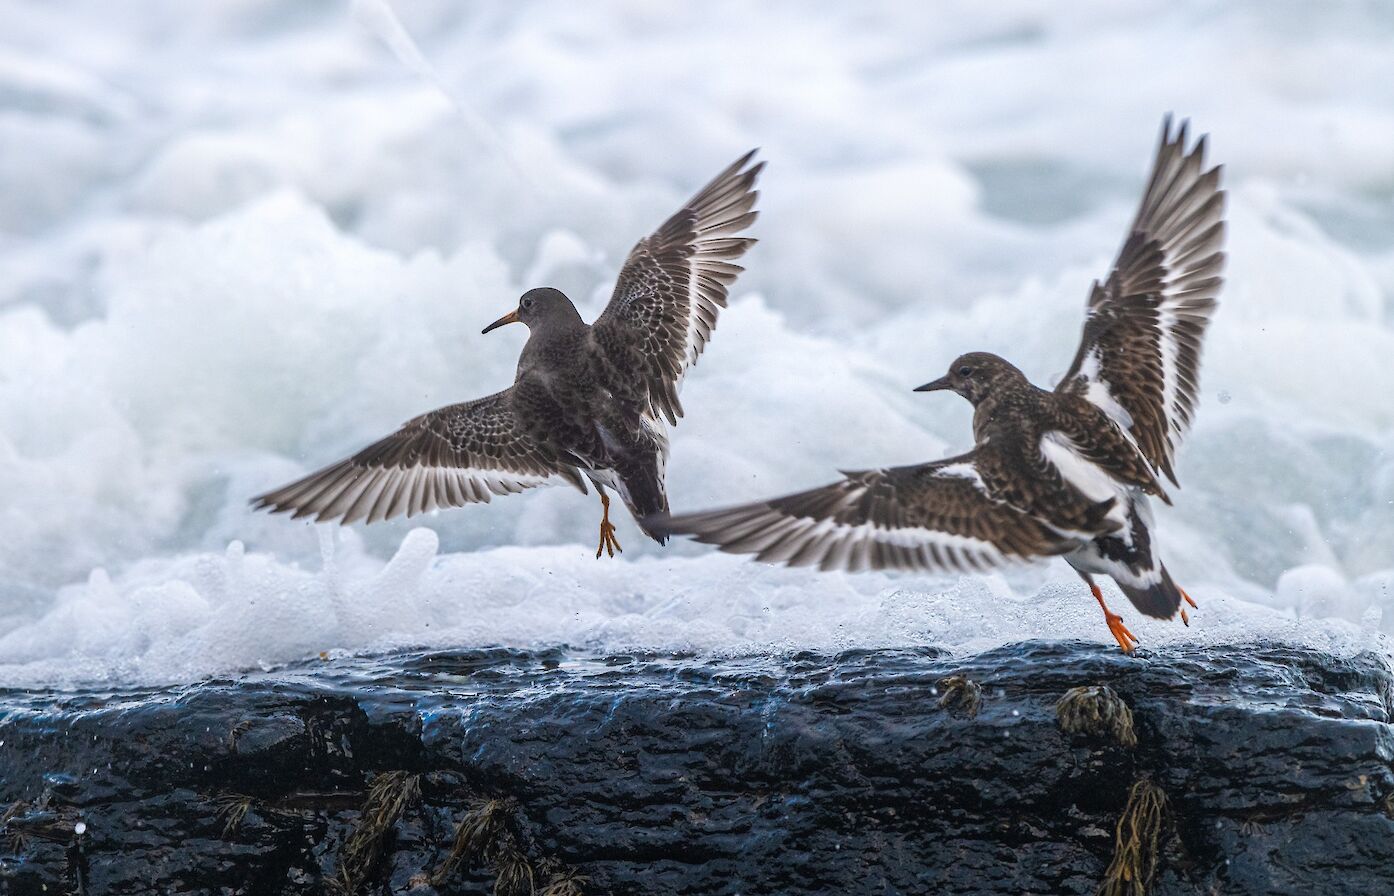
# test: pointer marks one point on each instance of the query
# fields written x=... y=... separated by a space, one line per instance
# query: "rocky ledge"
x=1051 y=768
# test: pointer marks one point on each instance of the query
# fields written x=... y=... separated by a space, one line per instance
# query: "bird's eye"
x=527 y=303
x=965 y=371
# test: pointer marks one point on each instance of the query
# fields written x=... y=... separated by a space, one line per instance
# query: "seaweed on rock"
x=1096 y=711
x=505 y=771
x=1137 y=840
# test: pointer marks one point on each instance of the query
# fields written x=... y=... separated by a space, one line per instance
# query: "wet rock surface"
x=1256 y=770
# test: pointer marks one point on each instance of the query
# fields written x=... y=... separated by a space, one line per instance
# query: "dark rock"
x=440 y=773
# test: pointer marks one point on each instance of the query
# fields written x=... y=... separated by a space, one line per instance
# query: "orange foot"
x=1186 y=619
x=1126 y=639
x=608 y=542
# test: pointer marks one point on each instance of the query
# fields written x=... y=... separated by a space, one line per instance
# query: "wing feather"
x=1139 y=358
x=935 y=517
x=673 y=286
x=457 y=455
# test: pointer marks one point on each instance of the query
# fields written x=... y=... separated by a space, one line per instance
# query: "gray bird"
x=1064 y=472
x=589 y=402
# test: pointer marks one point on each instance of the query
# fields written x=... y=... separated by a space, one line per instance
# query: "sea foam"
x=240 y=246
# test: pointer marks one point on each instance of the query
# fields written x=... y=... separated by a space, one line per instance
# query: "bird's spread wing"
x=674 y=285
x=932 y=517
x=1139 y=358
x=457 y=455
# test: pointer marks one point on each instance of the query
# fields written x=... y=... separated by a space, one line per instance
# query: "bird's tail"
x=642 y=492
x=1161 y=599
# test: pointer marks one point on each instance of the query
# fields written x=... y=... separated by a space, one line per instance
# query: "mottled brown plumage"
x=1063 y=472
x=1003 y=500
x=588 y=401
x=672 y=288
x=1140 y=353
x=840 y=526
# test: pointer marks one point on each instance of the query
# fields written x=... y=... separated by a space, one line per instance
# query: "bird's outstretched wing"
x=674 y=284
x=457 y=455
x=1139 y=359
x=931 y=517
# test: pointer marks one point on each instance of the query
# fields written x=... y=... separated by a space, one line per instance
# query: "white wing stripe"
x=353 y=493
x=1166 y=324
x=1087 y=477
x=964 y=471
x=364 y=502
x=832 y=545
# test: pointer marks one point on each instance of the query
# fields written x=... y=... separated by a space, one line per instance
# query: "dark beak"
x=509 y=318
x=935 y=385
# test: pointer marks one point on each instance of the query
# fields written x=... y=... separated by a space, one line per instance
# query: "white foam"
x=192 y=615
x=216 y=277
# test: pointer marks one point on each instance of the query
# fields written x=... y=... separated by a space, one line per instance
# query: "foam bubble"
x=217 y=277
x=203 y=613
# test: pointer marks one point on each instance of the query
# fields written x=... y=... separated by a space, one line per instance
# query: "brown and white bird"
x=1065 y=472
x=589 y=401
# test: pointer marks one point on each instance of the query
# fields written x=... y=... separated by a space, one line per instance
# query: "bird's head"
x=537 y=307
x=975 y=376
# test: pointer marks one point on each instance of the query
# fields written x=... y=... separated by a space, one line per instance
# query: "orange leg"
x=608 y=542
x=1126 y=639
x=1185 y=618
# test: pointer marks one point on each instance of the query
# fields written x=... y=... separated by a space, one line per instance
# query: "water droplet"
x=80 y=828
x=1015 y=713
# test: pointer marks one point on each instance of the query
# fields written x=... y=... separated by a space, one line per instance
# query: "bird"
x=1065 y=472
x=589 y=402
